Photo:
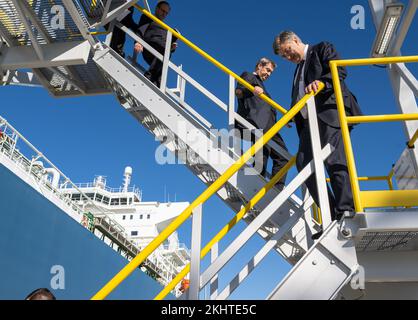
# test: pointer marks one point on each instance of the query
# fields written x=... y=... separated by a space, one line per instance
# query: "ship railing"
x=9 y=146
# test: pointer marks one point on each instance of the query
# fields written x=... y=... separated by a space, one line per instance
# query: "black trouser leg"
x=155 y=65
x=279 y=161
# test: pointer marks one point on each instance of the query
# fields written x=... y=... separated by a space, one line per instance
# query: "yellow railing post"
x=346 y=138
x=367 y=199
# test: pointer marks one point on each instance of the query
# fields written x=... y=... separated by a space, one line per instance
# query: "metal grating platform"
x=95 y=9
x=12 y=28
x=385 y=241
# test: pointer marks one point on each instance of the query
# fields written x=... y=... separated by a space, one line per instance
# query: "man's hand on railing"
x=314 y=86
x=138 y=48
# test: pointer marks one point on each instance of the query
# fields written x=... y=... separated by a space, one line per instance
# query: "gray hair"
x=265 y=61
x=283 y=37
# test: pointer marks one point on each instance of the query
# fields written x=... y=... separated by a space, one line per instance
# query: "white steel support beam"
x=322 y=271
x=319 y=164
x=258 y=258
x=231 y=104
x=408 y=77
x=193 y=292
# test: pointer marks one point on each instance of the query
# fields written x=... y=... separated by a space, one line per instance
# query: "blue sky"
x=88 y=136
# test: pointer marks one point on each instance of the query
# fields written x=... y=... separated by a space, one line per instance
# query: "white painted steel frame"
x=319 y=164
x=404 y=89
x=188 y=79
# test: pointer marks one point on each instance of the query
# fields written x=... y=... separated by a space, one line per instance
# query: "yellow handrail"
x=376 y=178
x=383 y=118
x=214 y=187
x=359 y=203
x=210 y=58
x=218 y=237
x=413 y=140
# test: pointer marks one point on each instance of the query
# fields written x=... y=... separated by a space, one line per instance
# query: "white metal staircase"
x=184 y=136
x=322 y=269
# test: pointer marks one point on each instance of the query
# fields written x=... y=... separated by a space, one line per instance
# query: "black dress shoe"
x=318 y=235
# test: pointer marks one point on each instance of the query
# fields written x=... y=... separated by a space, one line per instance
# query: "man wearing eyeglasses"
x=312 y=68
x=156 y=37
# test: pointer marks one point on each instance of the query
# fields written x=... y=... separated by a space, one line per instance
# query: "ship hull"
x=41 y=246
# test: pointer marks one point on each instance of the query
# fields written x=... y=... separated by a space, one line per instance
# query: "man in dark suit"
x=313 y=67
x=156 y=37
x=260 y=114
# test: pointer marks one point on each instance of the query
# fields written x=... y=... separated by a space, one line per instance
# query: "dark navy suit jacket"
x=317 y=68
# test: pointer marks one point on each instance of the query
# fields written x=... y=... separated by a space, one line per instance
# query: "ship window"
x=106 y=200
x=132 y=217
x=141 y=216
x=114 y=202
x=148 y=216
x=99 y=197
x=75 y=196
x=130 y=200
x=123 y=201
x=134 y=233
x=123 y=217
